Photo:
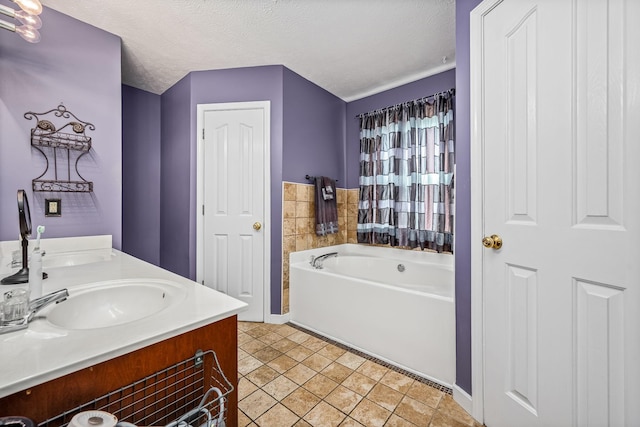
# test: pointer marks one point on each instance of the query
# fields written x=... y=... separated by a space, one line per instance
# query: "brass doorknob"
x=257 y=226
x=493 y=242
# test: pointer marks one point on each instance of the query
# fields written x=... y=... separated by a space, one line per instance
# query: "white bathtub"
x=361 y=299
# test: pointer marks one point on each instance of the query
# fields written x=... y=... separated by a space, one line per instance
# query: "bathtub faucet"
x=317 y=261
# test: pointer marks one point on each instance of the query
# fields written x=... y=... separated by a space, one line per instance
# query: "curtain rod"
x=451 y=91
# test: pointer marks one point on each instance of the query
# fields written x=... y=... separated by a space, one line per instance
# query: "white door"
x=558 y=125
x=234 y=182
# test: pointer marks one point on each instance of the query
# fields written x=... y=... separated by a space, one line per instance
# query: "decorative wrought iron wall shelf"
x=65 y=144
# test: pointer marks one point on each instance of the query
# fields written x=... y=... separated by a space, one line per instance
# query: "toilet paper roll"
x=93 y=419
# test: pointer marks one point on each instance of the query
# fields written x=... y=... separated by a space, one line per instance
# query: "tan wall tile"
x=289 y=192
x=342 y=195
x=311 y=191
x=342 y=222
x=289 y=209
x=302 y=194
x=353 y=195
x=302 y=209
x=301 y=242
x=302 y=225
x=288 y=226
x=289 y=244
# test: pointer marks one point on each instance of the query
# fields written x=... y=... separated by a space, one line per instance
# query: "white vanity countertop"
x=44 y=352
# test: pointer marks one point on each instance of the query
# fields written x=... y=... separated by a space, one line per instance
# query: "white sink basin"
x=106 y=304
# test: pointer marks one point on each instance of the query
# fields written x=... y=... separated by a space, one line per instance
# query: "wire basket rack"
x=191 y=393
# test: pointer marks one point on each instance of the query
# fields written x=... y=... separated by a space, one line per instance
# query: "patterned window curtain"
x=407 y=160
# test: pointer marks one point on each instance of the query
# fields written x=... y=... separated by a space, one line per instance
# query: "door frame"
x=266 y=223
x=476 y=29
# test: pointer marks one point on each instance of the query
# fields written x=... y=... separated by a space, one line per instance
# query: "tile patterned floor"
x=288 y=377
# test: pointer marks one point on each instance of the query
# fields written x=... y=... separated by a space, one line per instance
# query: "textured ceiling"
x=352 y=48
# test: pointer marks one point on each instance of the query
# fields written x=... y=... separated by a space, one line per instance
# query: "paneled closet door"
x=561 y=153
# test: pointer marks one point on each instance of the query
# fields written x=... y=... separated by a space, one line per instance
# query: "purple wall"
x=307 y=133
x=141 y=174
x=313 y=131
x=175 y=180
x=424 y=87
x=463 y=197
x=78 y=65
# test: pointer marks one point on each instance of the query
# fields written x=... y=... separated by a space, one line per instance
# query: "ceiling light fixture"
x=31 y=21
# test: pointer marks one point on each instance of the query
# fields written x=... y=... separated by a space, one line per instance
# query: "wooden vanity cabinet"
x=49 y=399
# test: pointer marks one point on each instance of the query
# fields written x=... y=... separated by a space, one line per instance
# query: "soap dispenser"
x=35 y=267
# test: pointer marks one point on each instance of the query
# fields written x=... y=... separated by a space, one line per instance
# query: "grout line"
x=390 y=366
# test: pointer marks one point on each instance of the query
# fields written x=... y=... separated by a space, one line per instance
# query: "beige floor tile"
x=282 y=363
x=440 y=420
x=243 y=338
x=258 y=331
x=280 y=388
x=262 y=375
x=299 y=353
x=245 y=388
x=320 y=385
x=372 y=370
x=396 y=421
x=301 y=401
x=350 y=422
x=245 y=326
x=278 y=416
x=270 y=338
x=384 y=396
x=425 y=394
x=337 y=372
x=242 y=354
x=397 y=381
x=324 y=415
x=267 y=354
x=300 y=374
x=343 y=399
x=316 y=362
x=252 y=346
x=450 y=409
x=299 y=337
x=243 y=420
x=302 y=423
x=351 y=360
x=256 y=404
x=284 y=330
x=414 y=411
x=359 y=383
x=331 y=351
x=314 y=344
x=248 y=364
x=369 y=414
x=284 y=345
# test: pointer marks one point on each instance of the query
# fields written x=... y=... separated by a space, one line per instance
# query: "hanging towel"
x=326 y=206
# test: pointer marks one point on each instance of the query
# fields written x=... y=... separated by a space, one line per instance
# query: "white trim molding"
x=463 y=399
x=476 y=22
x=277 y=319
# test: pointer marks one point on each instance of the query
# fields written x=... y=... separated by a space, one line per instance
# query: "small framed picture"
x=52 y=207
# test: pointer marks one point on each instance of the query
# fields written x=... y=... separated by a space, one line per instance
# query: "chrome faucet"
x=34 y=307
x=317 y=261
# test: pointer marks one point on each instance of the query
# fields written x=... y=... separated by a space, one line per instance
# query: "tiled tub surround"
x=362 y=299
x=298 y=225
x=288 y=377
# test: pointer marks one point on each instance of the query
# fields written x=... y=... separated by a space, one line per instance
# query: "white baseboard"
x=463 y=399
x=277 y=319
